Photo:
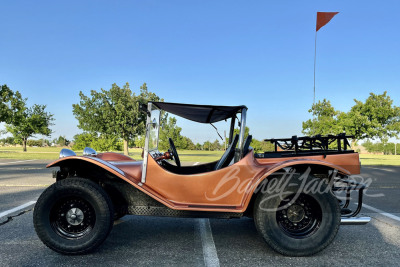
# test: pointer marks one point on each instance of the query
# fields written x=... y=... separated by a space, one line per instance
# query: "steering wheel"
x=174 y=153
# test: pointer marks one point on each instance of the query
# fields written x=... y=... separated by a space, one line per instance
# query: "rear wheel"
x=303 y=222
x=73 y=216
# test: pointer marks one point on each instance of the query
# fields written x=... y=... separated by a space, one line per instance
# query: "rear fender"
x=300 y=165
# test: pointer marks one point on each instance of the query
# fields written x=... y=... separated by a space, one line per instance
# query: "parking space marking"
x=207 y=241
x=5 y=213
x=5 y=163
x=389 y=215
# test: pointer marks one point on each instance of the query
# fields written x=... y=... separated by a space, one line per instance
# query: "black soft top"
x=200 y=113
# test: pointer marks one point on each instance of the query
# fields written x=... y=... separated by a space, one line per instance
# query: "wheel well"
x=111 y=184
x=318 y=171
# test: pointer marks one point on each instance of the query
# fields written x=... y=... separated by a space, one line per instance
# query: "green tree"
x=30 y=121
x=237 y=131
x=246 y=132
x=61 y=141
x=258 y=146
x=114 y=113
x=207 y=145
x=170 y=130
x=99 y=143
x=8 y=140
x=380 y=147
x=188 y=143
x=261 y=146
x=377 y=117
x=325 y=121
x=12 y=105
x=106 y=143
x=216 y=145
x=82 y=140
x=139 y=141
x=38 y=143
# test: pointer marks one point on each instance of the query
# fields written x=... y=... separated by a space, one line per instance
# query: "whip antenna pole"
x=315 y=62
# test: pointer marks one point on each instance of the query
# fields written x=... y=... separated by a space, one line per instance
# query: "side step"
x=355 y=220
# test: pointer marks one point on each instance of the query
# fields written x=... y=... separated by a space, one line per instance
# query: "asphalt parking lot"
x=150 y=241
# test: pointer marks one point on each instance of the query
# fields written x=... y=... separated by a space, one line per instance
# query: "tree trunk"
x=126 y=152
x=24 y=144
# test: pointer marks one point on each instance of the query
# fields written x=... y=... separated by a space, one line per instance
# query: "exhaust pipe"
x=355 y=220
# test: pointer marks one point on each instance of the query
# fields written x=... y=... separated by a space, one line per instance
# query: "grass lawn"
x=199 y=155
x=370 y=159
x=32 y=153
x=51 y=153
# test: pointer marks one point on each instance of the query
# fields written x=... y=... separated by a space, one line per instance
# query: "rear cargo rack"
x=308 y=145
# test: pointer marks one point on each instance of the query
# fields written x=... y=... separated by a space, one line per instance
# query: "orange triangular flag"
x=323 y=18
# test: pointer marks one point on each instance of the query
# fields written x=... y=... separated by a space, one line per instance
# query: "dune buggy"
x=298 y=194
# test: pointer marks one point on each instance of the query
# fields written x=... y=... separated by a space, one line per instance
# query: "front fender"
x=96 y=161
x=68 y=161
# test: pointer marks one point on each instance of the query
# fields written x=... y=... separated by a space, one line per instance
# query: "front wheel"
x=302 y=222
x=73 y=216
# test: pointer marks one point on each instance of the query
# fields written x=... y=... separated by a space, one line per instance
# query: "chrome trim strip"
x=107 y=164
x=355 y=220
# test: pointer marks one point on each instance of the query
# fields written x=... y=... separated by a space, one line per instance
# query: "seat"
x=228 y=155
x=247 y=145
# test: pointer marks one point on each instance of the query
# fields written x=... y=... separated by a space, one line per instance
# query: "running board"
x=355 y=220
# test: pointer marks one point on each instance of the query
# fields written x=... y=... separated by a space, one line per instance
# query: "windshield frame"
x=152 y=126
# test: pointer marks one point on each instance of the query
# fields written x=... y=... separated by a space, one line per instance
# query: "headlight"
x=66 y=153
x=88 y=151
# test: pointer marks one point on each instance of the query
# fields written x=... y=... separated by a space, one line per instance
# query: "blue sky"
x=257 y=53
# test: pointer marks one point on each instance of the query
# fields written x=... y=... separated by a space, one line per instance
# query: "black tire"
x=303 y=223
x=73 y=216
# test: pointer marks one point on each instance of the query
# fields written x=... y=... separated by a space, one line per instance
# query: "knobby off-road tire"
x=73 y=216
x=299 y=225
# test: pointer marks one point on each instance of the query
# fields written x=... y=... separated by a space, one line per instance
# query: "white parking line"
x=5 y=213
x=381 y=169
x=5 y=163
x=389 y=215
x=207 y=241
